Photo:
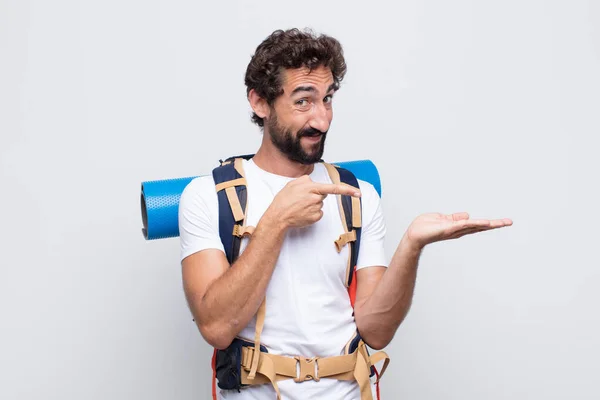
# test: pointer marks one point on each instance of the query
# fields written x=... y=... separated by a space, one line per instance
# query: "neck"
x=270 y=159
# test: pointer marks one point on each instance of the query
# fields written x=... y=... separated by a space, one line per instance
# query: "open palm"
x=434 y=227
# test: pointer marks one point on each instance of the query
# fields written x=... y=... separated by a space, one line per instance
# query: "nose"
x=320 y=118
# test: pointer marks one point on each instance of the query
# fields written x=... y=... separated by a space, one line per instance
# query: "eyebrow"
x=311 y=89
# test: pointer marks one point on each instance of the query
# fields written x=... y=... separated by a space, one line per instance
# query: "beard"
x=290 y=145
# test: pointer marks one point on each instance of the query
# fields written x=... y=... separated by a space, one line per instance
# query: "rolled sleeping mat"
x=160 y=199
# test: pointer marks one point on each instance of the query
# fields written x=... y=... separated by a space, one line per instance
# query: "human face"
x=300 y=118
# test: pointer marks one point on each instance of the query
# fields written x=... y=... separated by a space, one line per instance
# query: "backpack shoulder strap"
x=351 y=215
x=230 y=184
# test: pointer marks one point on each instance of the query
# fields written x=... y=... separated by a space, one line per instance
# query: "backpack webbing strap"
x=260 y=323
x=350 y=213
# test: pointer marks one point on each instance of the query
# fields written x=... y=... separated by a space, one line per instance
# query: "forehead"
x=321 y=78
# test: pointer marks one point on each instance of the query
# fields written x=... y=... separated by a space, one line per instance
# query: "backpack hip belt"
x=356 y=366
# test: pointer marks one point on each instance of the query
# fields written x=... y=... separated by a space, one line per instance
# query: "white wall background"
x=485 y=107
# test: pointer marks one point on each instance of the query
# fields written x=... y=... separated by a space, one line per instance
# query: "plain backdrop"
x=479 y=106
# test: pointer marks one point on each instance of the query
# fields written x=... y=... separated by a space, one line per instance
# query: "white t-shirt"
x=308 y=311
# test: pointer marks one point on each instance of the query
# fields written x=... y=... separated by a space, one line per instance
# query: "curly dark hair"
x=291 y=49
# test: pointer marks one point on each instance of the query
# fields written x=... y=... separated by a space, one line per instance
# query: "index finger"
x=336 y=188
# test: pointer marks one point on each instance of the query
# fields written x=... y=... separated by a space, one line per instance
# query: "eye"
x=328 y=99
x=302 y=102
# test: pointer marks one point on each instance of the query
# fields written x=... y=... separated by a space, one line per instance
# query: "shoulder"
x=200 y=190
x=370 y=203
x=199 y=185
x=367 y=189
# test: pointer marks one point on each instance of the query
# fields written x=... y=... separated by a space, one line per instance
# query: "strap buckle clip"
x=242 y=231
x=344 y=239
x=307 y=369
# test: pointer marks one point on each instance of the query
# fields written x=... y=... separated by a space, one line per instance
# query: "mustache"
x=310 y=132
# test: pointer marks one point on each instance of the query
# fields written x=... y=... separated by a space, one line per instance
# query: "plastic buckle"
x=246 y=357
x=236 y=230
x=307 y=369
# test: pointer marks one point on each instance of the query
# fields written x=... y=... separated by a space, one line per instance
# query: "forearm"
x=233 y=299
x=379 y=316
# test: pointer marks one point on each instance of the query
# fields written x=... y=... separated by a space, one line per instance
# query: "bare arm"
x=224 y=299
x=383 y=297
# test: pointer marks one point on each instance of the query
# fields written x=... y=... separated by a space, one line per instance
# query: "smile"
x=315 y=138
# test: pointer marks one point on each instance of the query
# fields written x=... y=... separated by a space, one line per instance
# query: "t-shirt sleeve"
x=198 y=217
x=372 y=249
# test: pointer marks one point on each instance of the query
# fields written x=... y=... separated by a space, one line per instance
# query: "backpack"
x=230 y=184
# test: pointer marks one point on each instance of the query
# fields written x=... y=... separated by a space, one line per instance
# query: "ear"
x=259 y=105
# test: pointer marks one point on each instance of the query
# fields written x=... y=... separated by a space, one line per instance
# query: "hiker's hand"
x=429 y=228
x=300 y=202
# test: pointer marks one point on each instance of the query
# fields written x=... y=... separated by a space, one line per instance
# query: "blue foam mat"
x=160 y=199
